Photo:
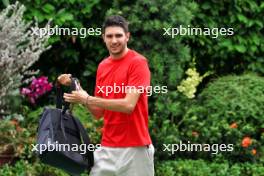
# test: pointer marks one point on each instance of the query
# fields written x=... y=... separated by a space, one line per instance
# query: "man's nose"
x=114 y=40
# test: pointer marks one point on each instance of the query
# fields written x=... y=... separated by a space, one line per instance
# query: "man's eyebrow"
x=118 y=34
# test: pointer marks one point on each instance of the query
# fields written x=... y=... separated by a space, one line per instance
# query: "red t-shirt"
x=121 y=129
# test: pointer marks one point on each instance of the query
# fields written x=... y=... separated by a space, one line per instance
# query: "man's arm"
x=96 y=111
x=97 y=105
x=125 y=105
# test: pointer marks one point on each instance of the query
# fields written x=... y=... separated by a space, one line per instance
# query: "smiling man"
x=126 y=149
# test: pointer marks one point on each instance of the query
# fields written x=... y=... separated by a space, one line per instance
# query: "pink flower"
x=25 y=91
x=38 y=87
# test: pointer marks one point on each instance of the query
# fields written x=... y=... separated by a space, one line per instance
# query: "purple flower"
x=37 y=88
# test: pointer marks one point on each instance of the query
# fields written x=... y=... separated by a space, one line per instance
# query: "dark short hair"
x=115 y=20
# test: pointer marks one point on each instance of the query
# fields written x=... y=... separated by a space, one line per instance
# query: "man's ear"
x=103 y=37
x=128 y=36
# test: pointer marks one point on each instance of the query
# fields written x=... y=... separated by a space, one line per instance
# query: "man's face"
x=115 y=39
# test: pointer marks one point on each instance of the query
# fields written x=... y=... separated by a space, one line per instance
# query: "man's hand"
x=76 y=97
x=65 y=79
x=81 y=96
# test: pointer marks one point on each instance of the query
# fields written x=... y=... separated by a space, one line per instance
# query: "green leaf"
x=226 y=43
x=259 y=23
x=63 y=16
x=38 y=1
x=262 y=5
x=253 y=6
x=53 y=39
x=256 y=39
x=153 y=9
x=38 y=15
x=242 y=18
x=206 y=6
x=240 y=48
x=48 y=8
x=68 y=16
x=89 y=6
x=6 y=2
x=250 y=23
x=253 y=48
x=72 y=1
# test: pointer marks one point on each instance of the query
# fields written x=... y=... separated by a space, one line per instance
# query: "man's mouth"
x=114 y=47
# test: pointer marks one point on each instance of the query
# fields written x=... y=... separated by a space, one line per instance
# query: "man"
x=126 y=149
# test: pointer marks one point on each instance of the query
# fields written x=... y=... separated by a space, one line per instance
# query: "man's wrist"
x=87 y=100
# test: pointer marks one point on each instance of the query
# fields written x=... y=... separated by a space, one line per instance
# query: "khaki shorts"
x=128 y=161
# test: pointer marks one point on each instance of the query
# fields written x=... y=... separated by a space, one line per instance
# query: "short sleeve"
x=138 y=73
x=97 y=91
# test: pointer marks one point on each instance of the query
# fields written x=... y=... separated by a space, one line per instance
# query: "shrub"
x=228 y=111
x=23 y=167
x=19 y=49
x=15 y=141
x=240 y=52
x=201 y=167
x=70 y=53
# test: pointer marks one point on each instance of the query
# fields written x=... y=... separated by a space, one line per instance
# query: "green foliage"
x=146 y=26
x=201 y=167
x=225 y=101
x=168 y=168
x=23 y=167
x=32 y=117
x=239 y=52
x=92 y=125
x=162 y=132
x=14 y=140
x=70 y=54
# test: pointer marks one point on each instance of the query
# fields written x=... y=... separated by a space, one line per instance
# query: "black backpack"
x=63 y=133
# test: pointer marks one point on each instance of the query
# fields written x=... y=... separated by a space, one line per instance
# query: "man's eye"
x=119 y=35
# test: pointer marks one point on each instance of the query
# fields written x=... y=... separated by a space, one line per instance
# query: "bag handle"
x=60 y=101
x=59 y=95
